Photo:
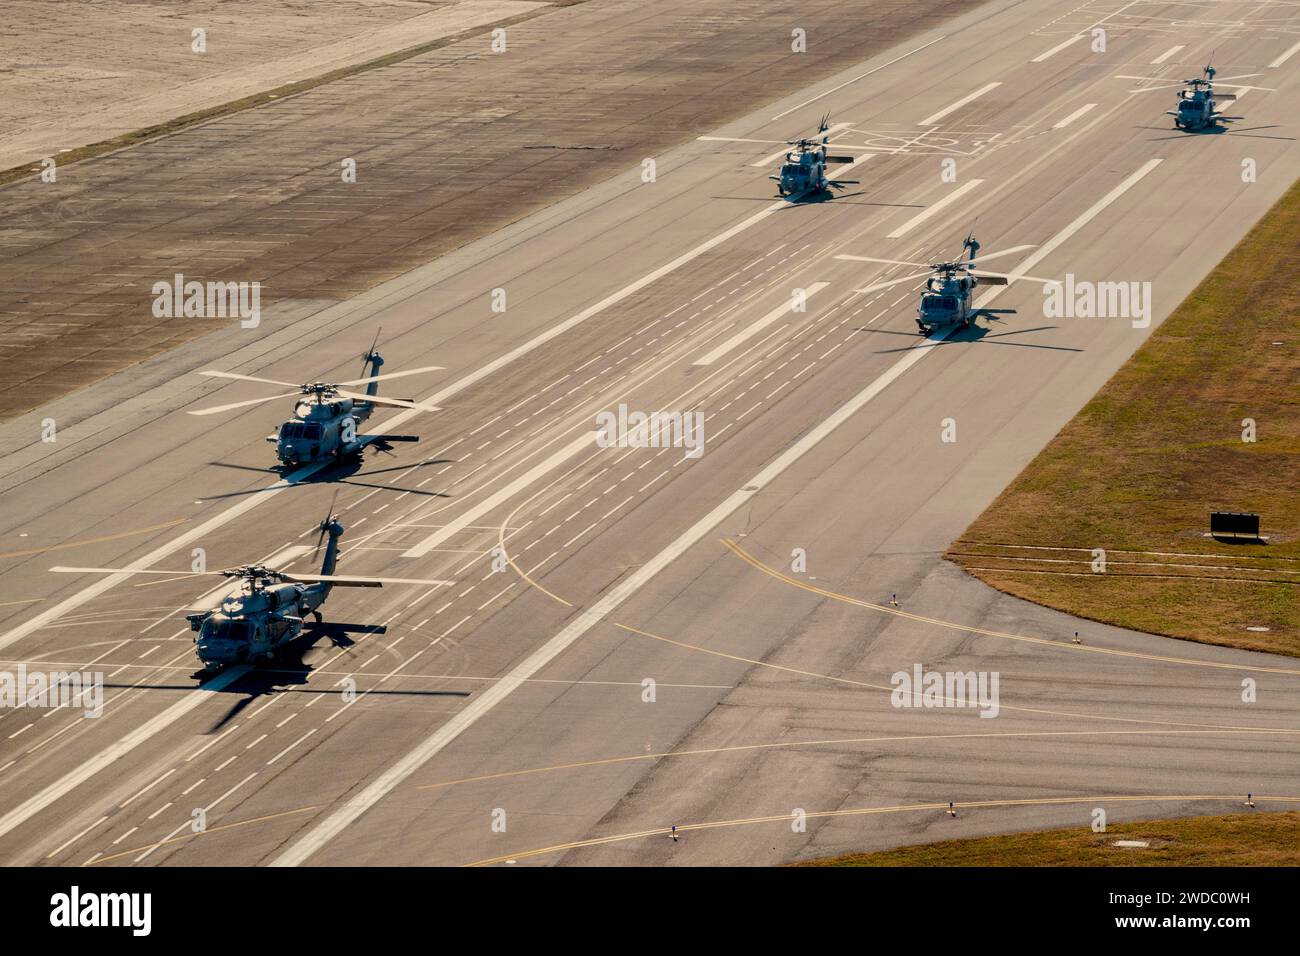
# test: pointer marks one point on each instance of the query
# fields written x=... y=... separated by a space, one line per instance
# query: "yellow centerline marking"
x=740 y=552
x=891 y=689
x=897 y=612
x=863 y=811
x=708 y=752
x=836 y=741
x=107 y=537
x=190 y=836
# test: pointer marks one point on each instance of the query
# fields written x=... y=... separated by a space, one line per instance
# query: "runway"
x=638 y=638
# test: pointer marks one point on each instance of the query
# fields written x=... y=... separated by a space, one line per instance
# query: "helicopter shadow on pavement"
x=971 y=335
x=342 y=473
x=290 y=669
x=1246 y=131
x=824 y=197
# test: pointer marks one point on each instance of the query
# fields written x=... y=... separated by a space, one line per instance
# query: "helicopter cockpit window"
x=225 y=630
x=291 y=430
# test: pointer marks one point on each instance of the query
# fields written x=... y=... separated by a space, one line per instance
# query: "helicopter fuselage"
x=1195 y=110
x=320 y=429
x=254 y=624
x=803 y=173
x=945 y=302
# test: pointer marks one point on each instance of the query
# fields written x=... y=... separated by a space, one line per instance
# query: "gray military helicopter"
x=803 y=174
x=1197 y=101
x=946 y=299
x=325 y=420
x=265 y=611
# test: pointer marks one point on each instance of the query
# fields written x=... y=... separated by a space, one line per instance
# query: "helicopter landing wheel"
x=317 y=616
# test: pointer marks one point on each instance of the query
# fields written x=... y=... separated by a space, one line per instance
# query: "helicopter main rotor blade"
x=993 y=255
x=381 y=400
x=66 y=570
x=213 y=373
x=353 y=580
x=385 y=376
x=1013 y=276
x=892 y=262
x=252 y=401
x=886 y=285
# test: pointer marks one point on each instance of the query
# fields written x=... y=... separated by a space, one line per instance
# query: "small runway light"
x=893 y=599
x=952 y=811
x=1249 y=802
x=674 y=833
x=1076 y=638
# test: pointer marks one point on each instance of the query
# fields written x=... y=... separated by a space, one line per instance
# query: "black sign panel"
x=1233 y=522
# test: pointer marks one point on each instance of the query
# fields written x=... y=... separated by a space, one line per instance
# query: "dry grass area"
x=1237 y=839
x=1160 y=446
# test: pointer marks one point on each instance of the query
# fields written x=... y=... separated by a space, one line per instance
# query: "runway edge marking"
x=311 y=842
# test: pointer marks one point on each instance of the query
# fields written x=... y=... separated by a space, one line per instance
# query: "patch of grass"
x=1237 y=839
x=1140 y=468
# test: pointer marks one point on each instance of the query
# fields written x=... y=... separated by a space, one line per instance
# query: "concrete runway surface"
x=503 y=718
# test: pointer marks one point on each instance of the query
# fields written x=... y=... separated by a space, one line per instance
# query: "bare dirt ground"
x=446 y=150
x=75 y=73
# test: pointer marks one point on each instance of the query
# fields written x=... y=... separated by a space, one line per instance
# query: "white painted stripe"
x=1292 y=51
x=874 y=69
x=748 y=333
x=934 y=120
x=849 y=167
x=931 y=210
x=59 y=849
x=503 y=495
x=104 y=758
x=1167 y=54
x=1052 y=244
x=153 y=557
x=1074 y=116
x=336 y=822
x=861 y=76
x=1057 y=49
x=93 y=591
x=769 y=160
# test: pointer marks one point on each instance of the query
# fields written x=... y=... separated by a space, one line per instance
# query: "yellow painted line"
x=1059 y=645
x=107 y=537
x=866 y=811
x=891 y=688
x=744 y=555
x=832 y=742
x=191 y=836
x=27 y=601
x=501 y=543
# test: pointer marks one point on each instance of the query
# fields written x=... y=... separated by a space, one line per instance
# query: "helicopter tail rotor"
x=330 y=522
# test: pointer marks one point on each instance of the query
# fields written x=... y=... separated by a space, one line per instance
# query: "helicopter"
x=804 y=171
x=265 y=611
x=946 y=300
x=326 y=417
x=1196 y=102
